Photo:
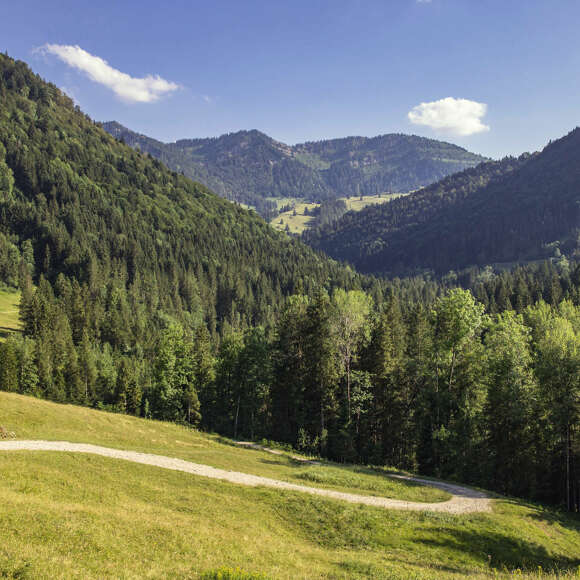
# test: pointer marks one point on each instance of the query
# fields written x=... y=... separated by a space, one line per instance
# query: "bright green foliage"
x=173 y=395
x=456 y=394
x=557 y=348
x=511 y=406
x=455 y=390
x=350 y=330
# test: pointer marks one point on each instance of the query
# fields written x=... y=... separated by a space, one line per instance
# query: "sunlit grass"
x=82 y=516
x=33 y=418
x=299 y=222
x=360 y=202
x=296 y=223
x=9 y=313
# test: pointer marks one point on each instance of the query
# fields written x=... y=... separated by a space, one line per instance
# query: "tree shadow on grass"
x=395 y=478
x=5 y=332
x=501 y=551
x=282 y=460
x=376 y=571
x=552 y=516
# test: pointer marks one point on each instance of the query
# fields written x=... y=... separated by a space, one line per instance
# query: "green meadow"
x=9 y=311
x=82 y=516
x=299 y=222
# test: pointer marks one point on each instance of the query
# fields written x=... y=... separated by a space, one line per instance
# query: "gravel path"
x=464 y=500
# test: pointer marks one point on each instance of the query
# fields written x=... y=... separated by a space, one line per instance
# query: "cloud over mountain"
x=130 y=89
x=456 y=116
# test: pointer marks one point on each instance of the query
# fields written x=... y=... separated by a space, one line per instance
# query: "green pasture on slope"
x=32 y=418
x=81 y=516
x=299 y=222
x=9 y=313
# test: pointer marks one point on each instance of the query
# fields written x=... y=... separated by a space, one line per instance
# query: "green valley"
x=233 y=358
x=302 y=214
x=250 y=167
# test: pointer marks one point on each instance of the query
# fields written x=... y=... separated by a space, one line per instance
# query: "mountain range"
x=513 y=210
x=249 y=166
x=78 y=205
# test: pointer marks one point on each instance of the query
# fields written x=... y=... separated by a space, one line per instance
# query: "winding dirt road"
x=464 y=500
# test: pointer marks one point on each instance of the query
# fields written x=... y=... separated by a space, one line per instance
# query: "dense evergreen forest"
x=144 y=293
x=513 y=210
x=249 y=166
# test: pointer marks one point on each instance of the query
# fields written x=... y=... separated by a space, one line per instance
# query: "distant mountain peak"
x=507 y=211
x=250 y=166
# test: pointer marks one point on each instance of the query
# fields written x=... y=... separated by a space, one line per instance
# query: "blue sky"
x=308 y=70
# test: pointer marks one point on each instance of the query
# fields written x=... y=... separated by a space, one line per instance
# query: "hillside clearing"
x=297 y=221
x=9 y=313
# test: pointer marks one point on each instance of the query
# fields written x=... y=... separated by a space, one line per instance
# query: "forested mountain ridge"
x=503 y=211
x=248 y=166
x=91 y=206
x=112 y=249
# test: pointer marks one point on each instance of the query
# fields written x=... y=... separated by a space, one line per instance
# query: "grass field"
x=82 y=516
x=356 y=203
x=299 y=222
x=9 y=307
x=296 y=223
x=39 y=419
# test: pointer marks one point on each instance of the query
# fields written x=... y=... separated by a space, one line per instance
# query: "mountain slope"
x=511 y=210
x=119 y=519
x=249 y=166
x=119 y=258
x=87 y=206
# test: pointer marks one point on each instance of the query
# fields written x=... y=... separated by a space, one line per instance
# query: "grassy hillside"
x=9 y=317
x=296 y=223
x=300 y=222
x=84 y=516
x=36 y=419
x=359 y=203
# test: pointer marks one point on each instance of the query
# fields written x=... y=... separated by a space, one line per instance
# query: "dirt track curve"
x=464 y=500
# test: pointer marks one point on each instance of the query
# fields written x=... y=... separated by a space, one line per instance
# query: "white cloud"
x=423 y=1
x=457 y=116
x=130 y=89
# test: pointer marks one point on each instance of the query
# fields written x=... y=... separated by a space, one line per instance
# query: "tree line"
x=446 y=390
